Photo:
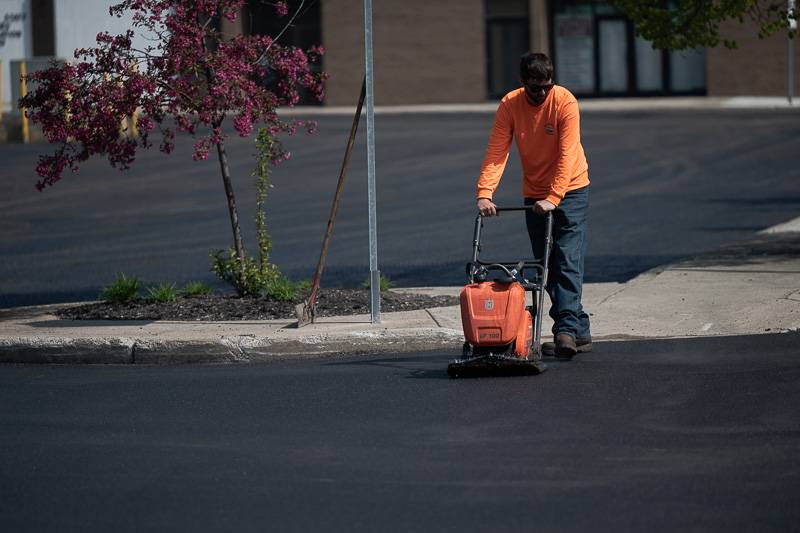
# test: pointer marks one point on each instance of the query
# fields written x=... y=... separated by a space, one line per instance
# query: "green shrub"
x=163 y=292
x=196 y=288
x=256 y=276
x=385 y=283
x=124 y=289
x=262 y=279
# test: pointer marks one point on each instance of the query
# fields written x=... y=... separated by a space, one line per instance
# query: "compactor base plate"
x=495 y=365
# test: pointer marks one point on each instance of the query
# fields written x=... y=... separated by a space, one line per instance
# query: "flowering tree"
x=189 y=79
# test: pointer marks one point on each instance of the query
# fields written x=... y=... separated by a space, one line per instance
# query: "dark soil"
x=330 y=302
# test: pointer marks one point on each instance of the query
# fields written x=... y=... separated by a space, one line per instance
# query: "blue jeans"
x=565 y=276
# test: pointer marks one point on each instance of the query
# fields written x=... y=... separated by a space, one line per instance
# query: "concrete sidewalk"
x=748 y=288
x=618 y=105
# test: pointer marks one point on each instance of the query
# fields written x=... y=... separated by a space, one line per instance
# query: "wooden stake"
x=307 y=312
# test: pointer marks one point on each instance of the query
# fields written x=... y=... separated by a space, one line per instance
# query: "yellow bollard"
x=135 y=123
x=134 y=119
x=23 y=91
x=68 y=114
x=126 y=124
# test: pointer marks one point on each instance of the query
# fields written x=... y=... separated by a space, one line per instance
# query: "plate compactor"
x=502 y=334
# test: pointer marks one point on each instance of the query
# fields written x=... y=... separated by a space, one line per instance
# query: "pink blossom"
x=281 y=9
x=176 y=84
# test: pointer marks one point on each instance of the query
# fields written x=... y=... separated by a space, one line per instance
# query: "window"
x=598 y=54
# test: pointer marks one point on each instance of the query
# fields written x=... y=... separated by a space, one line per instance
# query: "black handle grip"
x=523 y=208
x=499 y=209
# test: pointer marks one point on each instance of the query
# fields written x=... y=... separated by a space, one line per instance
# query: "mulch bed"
x=218 y=307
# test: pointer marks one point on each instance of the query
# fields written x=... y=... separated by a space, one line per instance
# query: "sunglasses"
x=535 y=89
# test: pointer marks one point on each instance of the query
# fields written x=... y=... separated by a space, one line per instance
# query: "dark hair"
x=535 y=66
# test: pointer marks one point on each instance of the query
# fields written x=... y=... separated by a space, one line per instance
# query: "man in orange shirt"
x=543 y=120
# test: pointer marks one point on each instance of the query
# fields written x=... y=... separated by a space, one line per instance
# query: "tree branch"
x=288 y=24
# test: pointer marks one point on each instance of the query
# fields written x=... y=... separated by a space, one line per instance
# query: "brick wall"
x=425 y=51
x=756 y=68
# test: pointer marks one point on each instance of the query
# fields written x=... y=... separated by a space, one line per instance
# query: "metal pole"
x=548 y=245
x=375 y=275
x=790 y=52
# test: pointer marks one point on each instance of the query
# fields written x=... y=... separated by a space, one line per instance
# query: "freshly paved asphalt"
x=673 y=435
x=666 y=185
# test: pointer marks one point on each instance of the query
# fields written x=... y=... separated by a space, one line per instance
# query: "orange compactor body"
x=501 y=335
x=494 y=315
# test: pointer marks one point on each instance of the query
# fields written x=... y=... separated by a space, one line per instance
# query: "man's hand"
x=542 y=207
x=486 y=207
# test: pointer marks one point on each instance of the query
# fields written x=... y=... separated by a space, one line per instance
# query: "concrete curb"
x=253 y=349
x=242 y=349
x=53 y=350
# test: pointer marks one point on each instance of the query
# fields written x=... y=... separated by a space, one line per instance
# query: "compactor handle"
x=499 y=209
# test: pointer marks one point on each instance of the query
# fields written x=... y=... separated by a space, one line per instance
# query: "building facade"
x=446 y=51
x=467 y=50
x=37 y=30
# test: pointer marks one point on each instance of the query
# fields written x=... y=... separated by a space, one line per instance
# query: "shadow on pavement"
x=410 y=364
x=752 y=351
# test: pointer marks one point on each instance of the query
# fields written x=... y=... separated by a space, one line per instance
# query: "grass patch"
x=385 y=283
x=196 y=288
x=303 y=285
x=281 y=288
x=163 y=292
x=124 y=289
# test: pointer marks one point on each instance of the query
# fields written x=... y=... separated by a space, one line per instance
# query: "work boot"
x=565 y=346
x=581 y=346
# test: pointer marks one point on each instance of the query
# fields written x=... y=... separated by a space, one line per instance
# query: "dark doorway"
x=507 y=38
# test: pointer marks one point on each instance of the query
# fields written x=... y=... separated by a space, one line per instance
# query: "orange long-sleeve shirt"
x=549 y=142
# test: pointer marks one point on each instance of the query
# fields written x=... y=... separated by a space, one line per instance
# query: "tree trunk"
x=226 y=177
x=237 y=233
